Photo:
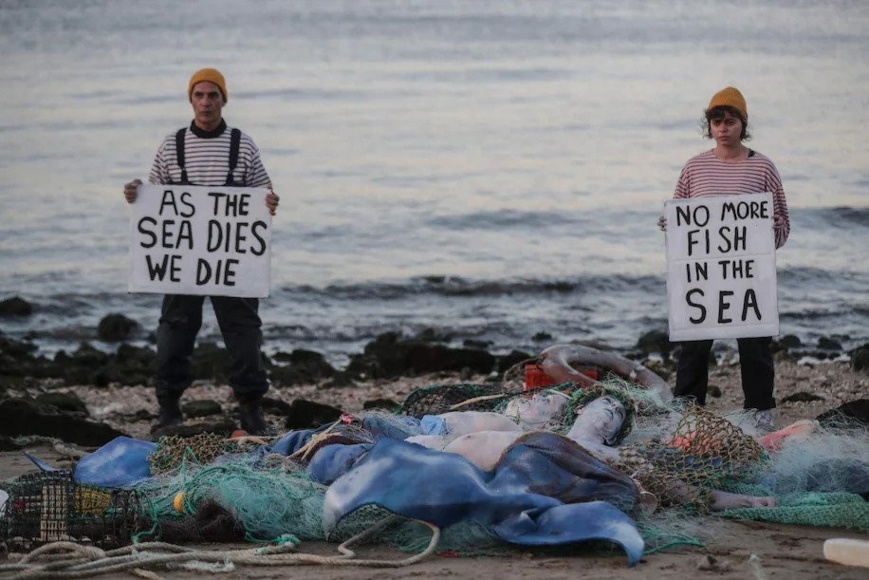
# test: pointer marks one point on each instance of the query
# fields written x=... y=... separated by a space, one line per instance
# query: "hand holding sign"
x=212 y=241
x=721 y=279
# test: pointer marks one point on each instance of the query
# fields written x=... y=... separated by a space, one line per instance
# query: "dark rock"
x=141 y=415
x=18 y=364
x=802 y=397
x=15 y=306
x=790 y=341
x=434 y=358
x=105 y=376
x=86 y=366
x=135 y=356
x=65 y=366
x=341 y=379
x=655 y=341
x=26 y=417
x=8 y=443
x=276 y=406
x=132 y=365
x=115 y=328
x=821 y=354
x=17 y=349
x=388 y=356
x=827 y=343
x=541 y=337
x=382 y=404
x=432 y=335
x=304 y=366
x=89 y=356
x=201 y=408
x=66 y=402
x=860 y=359
x=714 y=391
x=310 y=415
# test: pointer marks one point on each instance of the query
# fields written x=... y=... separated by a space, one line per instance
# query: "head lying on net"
x=555 y=408
x=617 y=407
x=545 y=410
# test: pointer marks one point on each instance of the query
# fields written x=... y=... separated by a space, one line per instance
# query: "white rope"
x=85 y=561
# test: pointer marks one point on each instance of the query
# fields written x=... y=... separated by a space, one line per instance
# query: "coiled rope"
x=71 y=560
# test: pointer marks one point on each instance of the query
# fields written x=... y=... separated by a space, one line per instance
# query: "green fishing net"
x=673 y=442
x=210 y=489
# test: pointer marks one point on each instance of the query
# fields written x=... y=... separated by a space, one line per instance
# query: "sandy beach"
x=462 y=184
x=732 y=549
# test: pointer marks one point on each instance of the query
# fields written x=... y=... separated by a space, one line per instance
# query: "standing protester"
x=208 y=152
x=731 y=168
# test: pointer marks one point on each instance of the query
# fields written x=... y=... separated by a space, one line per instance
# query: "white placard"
x=721 y=278
x=211 y=241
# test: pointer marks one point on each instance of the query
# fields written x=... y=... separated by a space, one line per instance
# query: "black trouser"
x=240 y=325
x=755 y=363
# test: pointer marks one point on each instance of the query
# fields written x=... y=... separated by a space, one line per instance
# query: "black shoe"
x=250 y=412
x=170 y=413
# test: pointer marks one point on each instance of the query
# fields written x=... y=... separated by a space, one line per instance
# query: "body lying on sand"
x=823 y=380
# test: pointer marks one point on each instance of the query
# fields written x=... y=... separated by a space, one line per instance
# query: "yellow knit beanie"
x=211 y=75
x=729 y=97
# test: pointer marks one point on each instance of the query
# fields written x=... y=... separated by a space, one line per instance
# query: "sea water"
x=489 y=170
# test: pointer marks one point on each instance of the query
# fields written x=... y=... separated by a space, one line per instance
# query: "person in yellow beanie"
x=209 y=152
x=732 y=168
x=211 y=75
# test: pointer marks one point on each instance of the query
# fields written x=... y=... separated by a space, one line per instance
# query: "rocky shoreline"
x=89 y=396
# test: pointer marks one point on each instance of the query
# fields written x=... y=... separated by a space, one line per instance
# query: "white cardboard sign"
x=210 y=241
x=721 y=277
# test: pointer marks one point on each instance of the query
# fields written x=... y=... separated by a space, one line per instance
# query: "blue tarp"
x=444 y=488
x=119 y=463
x=545 y=490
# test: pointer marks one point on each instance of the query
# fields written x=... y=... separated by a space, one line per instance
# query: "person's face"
x=606 y=415
x=726 y=130
x=542 y=407
x=207 y=102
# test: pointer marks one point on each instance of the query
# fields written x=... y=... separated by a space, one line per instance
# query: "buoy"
x=179 y=502
x=847 y=551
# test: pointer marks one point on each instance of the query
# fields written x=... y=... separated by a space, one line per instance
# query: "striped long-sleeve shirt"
x=206 y=157
x=705 y=175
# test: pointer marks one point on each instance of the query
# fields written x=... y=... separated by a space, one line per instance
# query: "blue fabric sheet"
x=545 y=490
x=119 y=463
x=332 y=461
x=444 y=488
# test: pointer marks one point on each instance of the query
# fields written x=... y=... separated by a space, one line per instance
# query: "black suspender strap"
x=179 y=153
x=234 y=146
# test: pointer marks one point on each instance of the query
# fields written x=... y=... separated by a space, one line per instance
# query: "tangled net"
x=209 y=489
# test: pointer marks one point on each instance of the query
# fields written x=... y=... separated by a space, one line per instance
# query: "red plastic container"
x=535 y=378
